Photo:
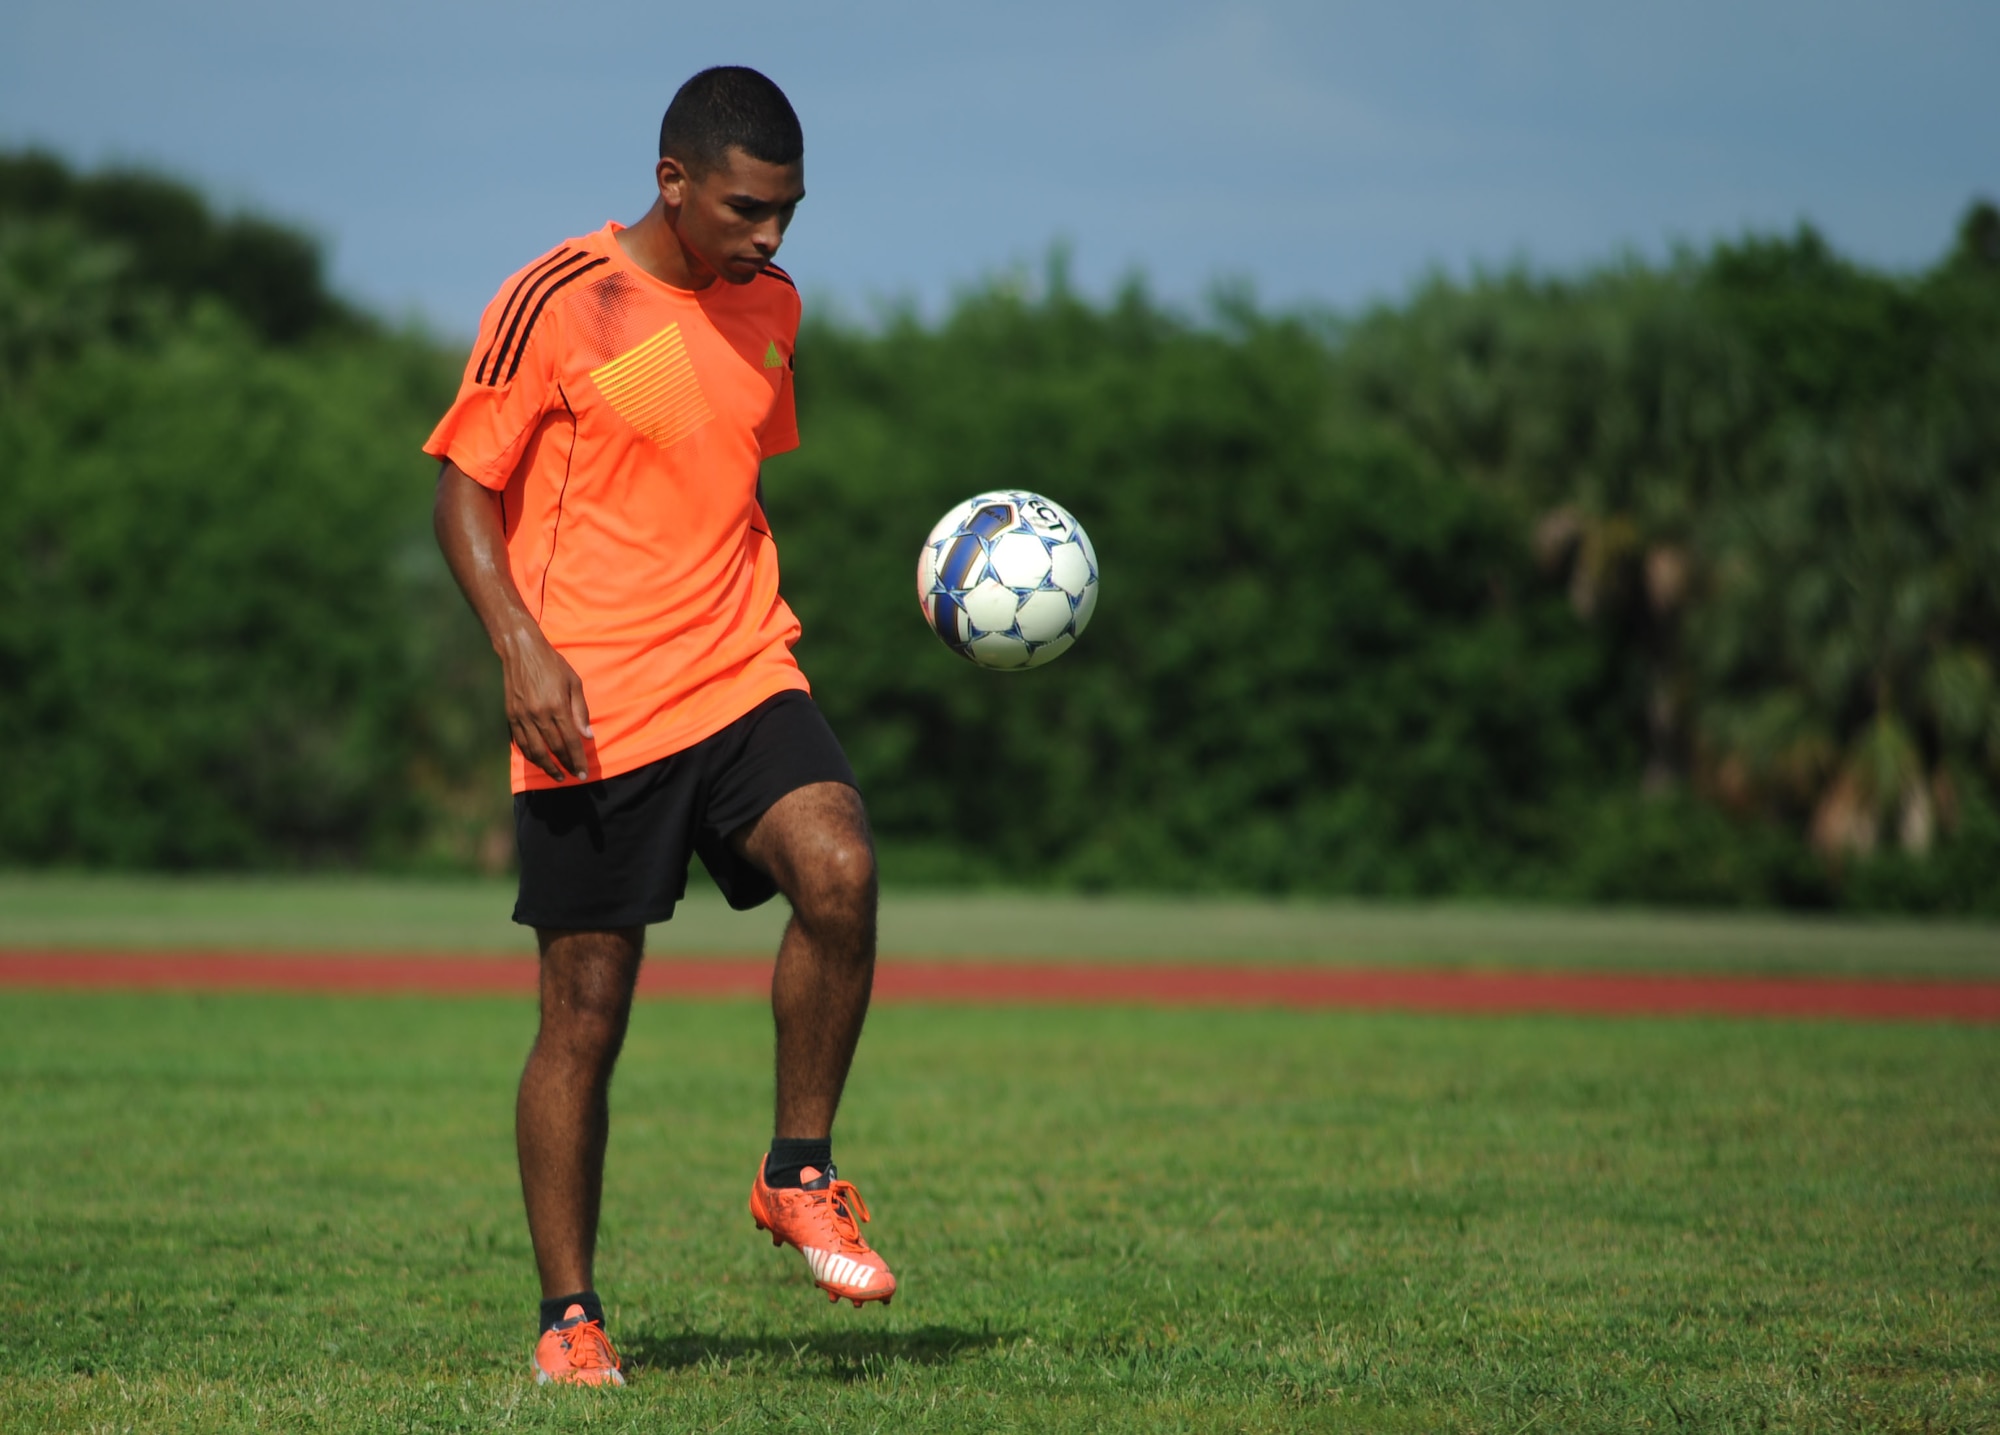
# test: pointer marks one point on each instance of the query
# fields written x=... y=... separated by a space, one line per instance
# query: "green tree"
x=269 y=274
x=215 y=548
x=1669 y=583
x=1312 y=645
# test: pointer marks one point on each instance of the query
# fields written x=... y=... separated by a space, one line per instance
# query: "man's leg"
x=562 y=1116
x=815 y=844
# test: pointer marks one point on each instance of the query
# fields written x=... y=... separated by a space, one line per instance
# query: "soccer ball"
x=1007 y=579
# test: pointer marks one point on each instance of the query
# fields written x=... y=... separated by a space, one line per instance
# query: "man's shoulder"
x=776 y=290
x=579 y=248
x=550 y=271
x=515 y=313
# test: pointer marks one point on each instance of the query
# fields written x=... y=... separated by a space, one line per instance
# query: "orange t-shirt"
x=622 y=421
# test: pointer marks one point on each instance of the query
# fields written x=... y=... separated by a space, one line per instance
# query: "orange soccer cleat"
x=820 y=1221
x=576 y=1352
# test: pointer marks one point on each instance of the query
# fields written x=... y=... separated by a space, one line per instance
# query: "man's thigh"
x=780 y=787
x=811 y=839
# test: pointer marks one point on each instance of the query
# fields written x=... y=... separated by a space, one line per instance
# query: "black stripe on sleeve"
x=535 y=270
x=540 y=285
x=547 y=294
x=778 y=274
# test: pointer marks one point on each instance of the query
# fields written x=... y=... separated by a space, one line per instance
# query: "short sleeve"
x=779 y=432
x=509 y=382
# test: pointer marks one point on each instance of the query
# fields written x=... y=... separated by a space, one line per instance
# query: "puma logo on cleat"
x=826 y=1266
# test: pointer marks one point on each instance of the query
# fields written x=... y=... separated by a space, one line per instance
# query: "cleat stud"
x=857 y=1304
x=833 y=1297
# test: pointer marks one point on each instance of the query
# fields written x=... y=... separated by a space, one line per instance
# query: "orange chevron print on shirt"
x=623 y=421
x=654 y=389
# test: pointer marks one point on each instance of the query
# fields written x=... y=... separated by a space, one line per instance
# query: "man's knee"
x=815 y=844
x=586 y=991
x=833 y=879
x=846 y=880
x=588 y=1025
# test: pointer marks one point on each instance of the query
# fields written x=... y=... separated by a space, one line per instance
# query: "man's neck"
x=654 y=247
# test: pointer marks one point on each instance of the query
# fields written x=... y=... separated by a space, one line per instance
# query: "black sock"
x=789 y=1157
x=552 y=1309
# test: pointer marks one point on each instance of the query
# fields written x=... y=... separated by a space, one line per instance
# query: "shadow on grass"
x=843 y=1355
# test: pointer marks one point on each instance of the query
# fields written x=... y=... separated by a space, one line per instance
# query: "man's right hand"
x=545 y=707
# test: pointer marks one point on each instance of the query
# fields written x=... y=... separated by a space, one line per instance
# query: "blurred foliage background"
x=1666 y=583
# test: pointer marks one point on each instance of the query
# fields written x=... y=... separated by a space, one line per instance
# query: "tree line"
x=1660 y=582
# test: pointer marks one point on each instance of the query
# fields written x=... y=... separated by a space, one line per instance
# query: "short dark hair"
x=731 y=105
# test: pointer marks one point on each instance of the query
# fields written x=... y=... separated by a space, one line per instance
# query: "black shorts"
x=614 y=853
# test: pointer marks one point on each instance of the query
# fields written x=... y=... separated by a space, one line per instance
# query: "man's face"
x=731 y=219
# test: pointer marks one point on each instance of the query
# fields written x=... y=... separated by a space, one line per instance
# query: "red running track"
x=913 y=980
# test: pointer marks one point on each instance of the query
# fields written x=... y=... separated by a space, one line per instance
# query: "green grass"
x=45 y=909
x=259 y=1213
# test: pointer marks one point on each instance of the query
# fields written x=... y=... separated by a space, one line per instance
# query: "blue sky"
x=1330 y=153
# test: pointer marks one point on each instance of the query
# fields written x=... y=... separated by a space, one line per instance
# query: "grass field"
x=359 y=914
x=272 y=1213
x=263 y=1213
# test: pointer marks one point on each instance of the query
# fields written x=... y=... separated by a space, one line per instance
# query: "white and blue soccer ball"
x=1008 y=579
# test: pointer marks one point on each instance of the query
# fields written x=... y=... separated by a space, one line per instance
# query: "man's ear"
x=673 y=180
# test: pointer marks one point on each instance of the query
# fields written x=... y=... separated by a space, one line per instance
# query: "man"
x=599 y=505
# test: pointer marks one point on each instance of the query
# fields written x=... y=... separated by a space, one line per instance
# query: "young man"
x=599 y=505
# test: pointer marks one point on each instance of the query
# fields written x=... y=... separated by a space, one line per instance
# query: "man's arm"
x=545 y=707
